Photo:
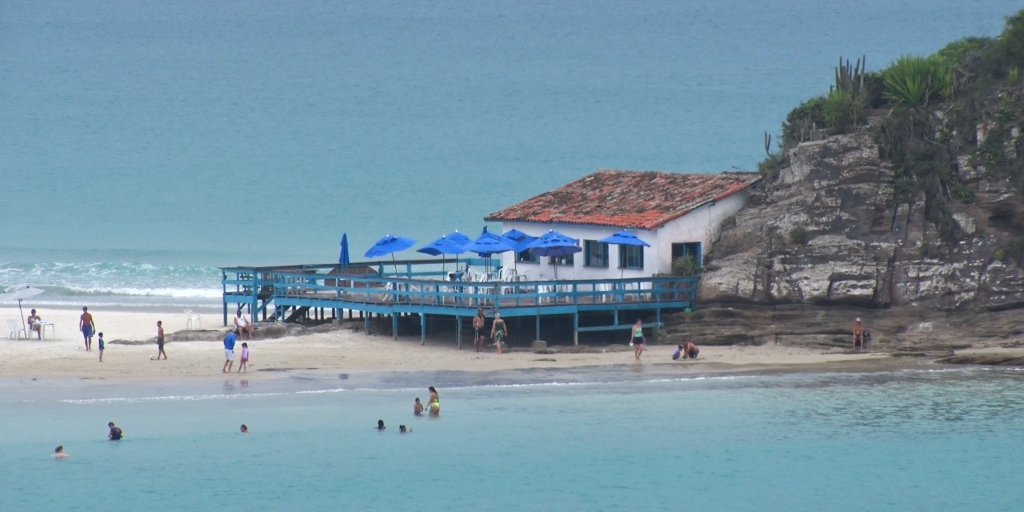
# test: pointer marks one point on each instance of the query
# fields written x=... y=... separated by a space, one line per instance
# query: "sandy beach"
x=344 y=350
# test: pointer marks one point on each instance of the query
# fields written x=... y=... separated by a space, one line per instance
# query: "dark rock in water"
x=984 y=359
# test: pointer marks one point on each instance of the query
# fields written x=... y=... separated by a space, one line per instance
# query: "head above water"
x=380 y=423
x=431 y=389
x=244 y=429
x=417 y=400
x=59 y=449
x=401 y=428
x=111 y=424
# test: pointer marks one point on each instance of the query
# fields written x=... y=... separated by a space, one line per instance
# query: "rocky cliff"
x=829 y=230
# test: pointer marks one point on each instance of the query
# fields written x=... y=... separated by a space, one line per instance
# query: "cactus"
x=768 y=144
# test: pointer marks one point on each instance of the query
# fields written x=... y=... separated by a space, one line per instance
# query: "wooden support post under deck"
x=423 y=328
x=576 y=328
x=394 y=326
x=366 y=323
x=538 y=328
x=225 y=314
x=458 y=332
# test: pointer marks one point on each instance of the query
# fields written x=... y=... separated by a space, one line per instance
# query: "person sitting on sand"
x=690 y=349
x=58 y=453
x=35 y=324
x=417 y=407
x=380 y=425
x=242 y=325
x=858 y=333
x=115 y=432
x=498 y=331
x=244 y=429
x=678 y=352
x=434 y=402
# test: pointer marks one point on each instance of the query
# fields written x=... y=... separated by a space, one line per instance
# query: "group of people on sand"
x=499 y=331
x=639 y=344
x=87 y=326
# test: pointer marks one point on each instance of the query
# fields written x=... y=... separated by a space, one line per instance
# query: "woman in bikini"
x=434 y=402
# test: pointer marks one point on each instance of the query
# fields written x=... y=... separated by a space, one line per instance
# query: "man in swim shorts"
x=87 y=326
x=229 y=352
x=858 y=334
x=498 y=331
x=478 y=329
x=690 y=349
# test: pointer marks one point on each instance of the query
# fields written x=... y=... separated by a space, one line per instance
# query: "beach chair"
x=192 y=320
x=17 y=330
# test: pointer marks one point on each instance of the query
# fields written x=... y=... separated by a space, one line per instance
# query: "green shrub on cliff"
x=841 y=111
x=913 y=81
x=685 y=266
x=1008 y=50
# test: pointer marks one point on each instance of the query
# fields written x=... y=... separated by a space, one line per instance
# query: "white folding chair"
x=192 y=320
x=17 y=330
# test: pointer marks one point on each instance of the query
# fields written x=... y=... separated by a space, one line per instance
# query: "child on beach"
x=243 y=363
x=417 y=407
x=101 y=345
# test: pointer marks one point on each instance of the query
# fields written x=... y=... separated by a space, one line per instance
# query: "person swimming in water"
x=417 y=407
x=115 y=432
x=244 y=429
x=58 y=453
x=434 y=402
x=403 y=430
x=380 y=425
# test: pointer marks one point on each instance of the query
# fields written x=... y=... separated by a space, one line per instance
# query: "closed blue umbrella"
x=554 y=244
x=390 y=244
x=519 y=241
x=343 y=257
x=624 y=238
x=457 y=237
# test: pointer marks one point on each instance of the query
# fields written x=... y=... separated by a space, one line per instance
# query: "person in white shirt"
x=242 y=325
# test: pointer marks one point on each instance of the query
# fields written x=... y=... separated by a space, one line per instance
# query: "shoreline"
x=344 y=351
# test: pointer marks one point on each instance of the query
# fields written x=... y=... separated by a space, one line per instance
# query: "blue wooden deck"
x=421 y=287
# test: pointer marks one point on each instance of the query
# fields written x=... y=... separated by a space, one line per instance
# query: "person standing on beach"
x=434 y=402
x=243 y=363
x=242 y=325
x=858 y=333
x=87 y=326
x=101 y=345
x=498 y=331
x=229 y=352
x=478 y=329
x=160 y=340
x=637 y=341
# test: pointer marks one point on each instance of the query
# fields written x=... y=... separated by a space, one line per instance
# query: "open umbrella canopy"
x=519 y=239
x=488 y=244
x=624 y=238
x=388 y=245
x=555 y=244
x=443 y=245
x=343 y=257
x=20 y=292
x=457 y=237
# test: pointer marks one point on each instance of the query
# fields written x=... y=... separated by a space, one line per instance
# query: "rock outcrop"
x=829 y=231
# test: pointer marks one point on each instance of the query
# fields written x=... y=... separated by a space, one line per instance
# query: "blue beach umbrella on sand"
x=624 y=238
x=554 y=244
x=343 y=258
x=390 y=244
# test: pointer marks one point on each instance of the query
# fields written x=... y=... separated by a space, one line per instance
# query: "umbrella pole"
x=22 y=316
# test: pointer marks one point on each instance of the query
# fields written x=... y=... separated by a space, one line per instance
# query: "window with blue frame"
x=631 y=256
x=595 y=253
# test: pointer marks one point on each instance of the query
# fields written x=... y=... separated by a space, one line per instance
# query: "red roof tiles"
x=627 y=199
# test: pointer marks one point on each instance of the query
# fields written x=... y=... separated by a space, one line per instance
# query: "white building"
x=677 y=214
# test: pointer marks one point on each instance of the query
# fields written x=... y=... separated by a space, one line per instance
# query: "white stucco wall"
x=701 y=225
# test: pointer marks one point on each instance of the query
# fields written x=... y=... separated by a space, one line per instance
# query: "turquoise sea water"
x=599 y=439
x=190 y=134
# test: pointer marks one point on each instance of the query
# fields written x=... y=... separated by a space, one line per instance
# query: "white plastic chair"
x=192 y=320
x=17 y=330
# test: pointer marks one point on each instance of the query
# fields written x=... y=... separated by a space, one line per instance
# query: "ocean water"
x=599 y=439
x=146 y=142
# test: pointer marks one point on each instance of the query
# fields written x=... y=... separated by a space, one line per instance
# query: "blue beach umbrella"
x=390 y=244
x=443 y=245
x=457 y=237
x=624 y=238
x=519 y=241
x=487 y=244
x=343 y=258
x=554 y=244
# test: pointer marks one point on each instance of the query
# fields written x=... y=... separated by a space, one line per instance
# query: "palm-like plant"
x=915 y=80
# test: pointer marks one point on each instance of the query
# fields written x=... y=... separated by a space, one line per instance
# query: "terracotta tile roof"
x=627 y=199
